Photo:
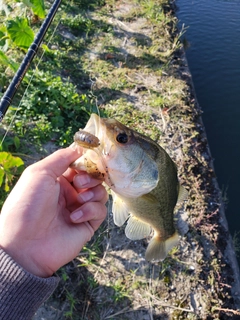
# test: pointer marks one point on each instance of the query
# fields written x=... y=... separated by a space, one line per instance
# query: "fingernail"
x=86 y=196
x=83 y=179
x=76 y=215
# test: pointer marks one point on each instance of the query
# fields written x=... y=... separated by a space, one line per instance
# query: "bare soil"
x=110 y=278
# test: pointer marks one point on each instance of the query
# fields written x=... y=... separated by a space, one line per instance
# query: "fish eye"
x=122 y=137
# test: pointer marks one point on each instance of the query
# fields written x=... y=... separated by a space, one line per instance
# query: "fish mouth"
x=97 y=126
x=93 y=125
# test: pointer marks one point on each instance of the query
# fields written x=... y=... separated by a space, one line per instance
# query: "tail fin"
x=157 y=250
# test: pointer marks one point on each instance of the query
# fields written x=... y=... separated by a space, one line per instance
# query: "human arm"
x=37 y=225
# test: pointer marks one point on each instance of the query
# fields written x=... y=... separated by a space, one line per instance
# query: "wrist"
x=26 y=262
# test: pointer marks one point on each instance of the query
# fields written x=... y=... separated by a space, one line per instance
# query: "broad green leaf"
x=16 y=142
x=7 y=182
x=45 y=48
x=38 y=8
x=10 y=166
x=20 y=32
x=7 y=160
x=2 y=38
x=27 y=3
x=4 y=43
x=4 y=59
x=1 y=175
x=8 y=62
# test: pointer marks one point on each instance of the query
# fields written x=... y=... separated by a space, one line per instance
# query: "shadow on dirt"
x=121 y=58
x=79 y=296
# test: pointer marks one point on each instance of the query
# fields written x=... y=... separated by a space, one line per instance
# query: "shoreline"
x=229 y=252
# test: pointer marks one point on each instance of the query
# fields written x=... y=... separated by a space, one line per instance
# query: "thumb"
x=58 y=162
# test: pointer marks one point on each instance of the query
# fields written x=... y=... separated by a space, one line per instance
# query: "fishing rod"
x=17 y=79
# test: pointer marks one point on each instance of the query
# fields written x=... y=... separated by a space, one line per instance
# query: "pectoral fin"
x=136 y=229
x=119 y=209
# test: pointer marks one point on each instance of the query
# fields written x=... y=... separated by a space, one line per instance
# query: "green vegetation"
x=47 y=107
x=11 y=165
x=52 y=109
x=10 y=168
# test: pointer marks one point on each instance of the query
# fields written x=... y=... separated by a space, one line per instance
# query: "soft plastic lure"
x=86 y=139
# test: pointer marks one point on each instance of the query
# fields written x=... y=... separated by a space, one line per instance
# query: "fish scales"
x=142 y=178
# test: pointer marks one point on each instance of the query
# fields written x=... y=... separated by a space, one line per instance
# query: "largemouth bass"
x=142 y=178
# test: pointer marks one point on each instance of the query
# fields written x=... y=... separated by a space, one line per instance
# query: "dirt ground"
x=199 y=279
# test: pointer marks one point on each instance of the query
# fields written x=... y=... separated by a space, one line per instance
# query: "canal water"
x=213 y=35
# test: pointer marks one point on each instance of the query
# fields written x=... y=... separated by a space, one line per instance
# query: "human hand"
x=51 y=213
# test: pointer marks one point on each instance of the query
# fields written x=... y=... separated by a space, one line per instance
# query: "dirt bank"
x=139 y=75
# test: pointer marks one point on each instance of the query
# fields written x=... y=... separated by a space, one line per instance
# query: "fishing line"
x=30 y=81
x=96 y=99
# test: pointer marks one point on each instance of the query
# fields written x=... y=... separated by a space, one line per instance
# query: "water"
x=214 y=61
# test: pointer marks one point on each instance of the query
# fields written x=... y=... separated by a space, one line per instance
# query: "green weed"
x=72 y=302
x=120 y=290
x=50 y=110
x=153 y=11
x=89 y=257
x=140 y=121
x=10 y=169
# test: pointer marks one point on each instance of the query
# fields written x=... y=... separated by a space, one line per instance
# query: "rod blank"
x=17 y=79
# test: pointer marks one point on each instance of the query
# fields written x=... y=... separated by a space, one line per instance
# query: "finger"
x=69 y=196
x=83 y=180
x=57 y=163
x=92 y=212
x=69 y=174
x=97 y=193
